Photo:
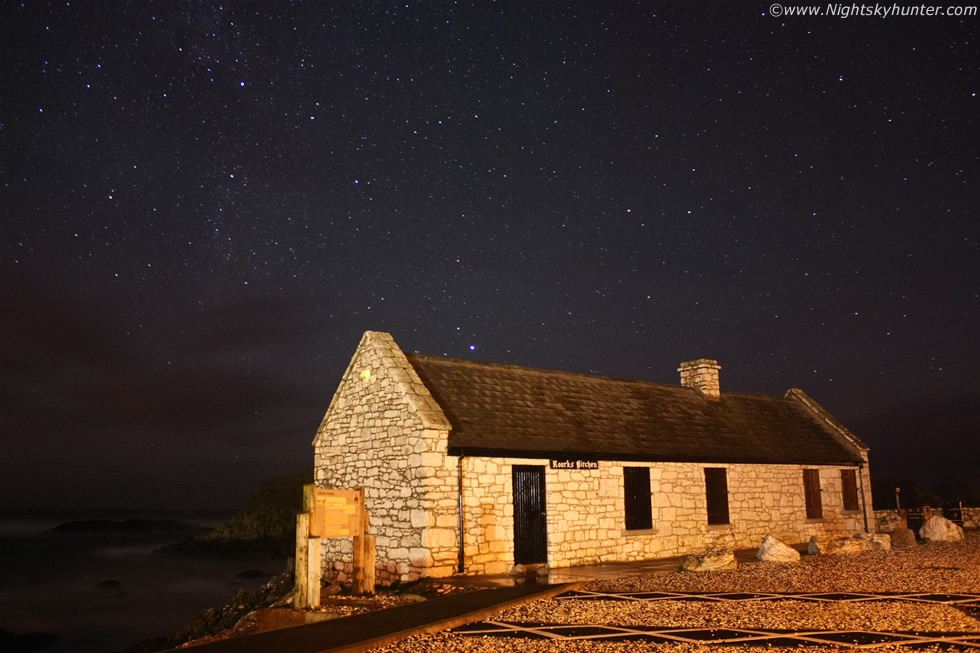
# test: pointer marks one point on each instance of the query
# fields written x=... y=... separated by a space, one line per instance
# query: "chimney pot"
x=703 y=375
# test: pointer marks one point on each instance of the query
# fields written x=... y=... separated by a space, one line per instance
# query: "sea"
x=87 y=586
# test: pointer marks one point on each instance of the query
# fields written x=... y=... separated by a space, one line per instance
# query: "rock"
x=710 y=561
x=879 y=541
x=890 y=522
x=902 y=538
x=331 y=590
x=211 y=621
x=773 y=550
x=874 y=541
x=542 y=570
x=940 y=529
x=518 y=569
x=251 y=573
x=835 y=546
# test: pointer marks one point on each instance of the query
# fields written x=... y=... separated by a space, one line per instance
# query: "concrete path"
x=364 y=631
x=586 y=573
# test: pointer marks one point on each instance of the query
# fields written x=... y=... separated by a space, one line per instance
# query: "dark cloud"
x=927 y=439
x=78 y=405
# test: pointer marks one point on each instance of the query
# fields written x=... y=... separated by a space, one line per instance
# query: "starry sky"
x=205 y=204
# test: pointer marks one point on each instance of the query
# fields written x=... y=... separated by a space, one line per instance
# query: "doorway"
x=530 y=515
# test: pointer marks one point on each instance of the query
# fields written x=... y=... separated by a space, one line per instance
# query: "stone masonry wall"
x=971 y=516
x=385 y=433
x=586 y=511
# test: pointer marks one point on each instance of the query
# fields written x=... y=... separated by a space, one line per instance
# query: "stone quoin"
x=472 y=467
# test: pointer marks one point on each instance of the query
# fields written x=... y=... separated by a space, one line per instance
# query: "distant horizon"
x=117 y=509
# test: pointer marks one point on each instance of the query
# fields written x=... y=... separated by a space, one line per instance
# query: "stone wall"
x=586 y=511
x=385 y=433
x=886 y=519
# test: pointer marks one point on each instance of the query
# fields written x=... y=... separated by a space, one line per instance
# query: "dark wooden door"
x=530 y=515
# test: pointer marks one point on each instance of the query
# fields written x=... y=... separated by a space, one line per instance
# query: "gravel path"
x=943 y=567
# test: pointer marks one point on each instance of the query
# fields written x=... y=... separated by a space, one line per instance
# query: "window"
x=636 y=482
x=811 y=491
x=716 y=489
x=849 y=489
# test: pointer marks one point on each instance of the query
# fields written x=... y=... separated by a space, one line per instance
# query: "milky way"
x=205 y=204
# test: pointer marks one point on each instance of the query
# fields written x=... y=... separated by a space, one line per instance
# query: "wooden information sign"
x=336 y=513
x=331 y=513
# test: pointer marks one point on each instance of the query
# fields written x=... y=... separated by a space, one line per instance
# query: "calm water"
x=104 y=591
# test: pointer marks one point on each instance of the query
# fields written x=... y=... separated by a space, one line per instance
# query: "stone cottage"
x=473 y=467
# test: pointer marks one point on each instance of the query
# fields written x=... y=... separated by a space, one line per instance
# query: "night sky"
x=205 y=204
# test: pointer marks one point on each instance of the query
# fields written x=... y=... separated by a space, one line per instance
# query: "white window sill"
x=642 y=531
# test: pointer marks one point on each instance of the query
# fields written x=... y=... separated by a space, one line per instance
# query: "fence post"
x=302 y=570
x=314 y=572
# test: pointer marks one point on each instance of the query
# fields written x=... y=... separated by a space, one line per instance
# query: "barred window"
x=716 y=490
x=849 y=489
x=811 y=489
x=636 y=483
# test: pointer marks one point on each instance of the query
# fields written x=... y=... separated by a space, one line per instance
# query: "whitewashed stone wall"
x=385 y=433
x=586 y=511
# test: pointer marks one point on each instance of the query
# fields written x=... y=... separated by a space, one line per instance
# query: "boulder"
x=902 y=538
x=891 y=522
x=773 y=550
x=874 y=541
x=939 y=529
x=710 y=561
x=880 y=542
x=835 y=546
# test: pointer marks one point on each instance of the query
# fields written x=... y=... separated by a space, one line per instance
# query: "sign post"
x=364 y=555
x=331 y=513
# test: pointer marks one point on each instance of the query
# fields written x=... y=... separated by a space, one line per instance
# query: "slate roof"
x=508 y=410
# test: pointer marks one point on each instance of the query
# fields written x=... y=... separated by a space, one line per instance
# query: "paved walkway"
x=364 y=631
x=586 y=573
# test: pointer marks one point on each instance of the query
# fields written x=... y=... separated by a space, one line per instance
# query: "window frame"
x=811 y=494
x=849 y=490
x=716 y=496
x=638 y=505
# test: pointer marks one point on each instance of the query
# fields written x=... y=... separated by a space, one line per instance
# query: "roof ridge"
x=587 y=375
x=542 y=370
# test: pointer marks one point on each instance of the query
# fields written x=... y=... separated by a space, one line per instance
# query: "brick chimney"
x=703 y=375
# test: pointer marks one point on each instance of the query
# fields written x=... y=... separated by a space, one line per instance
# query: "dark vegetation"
x=265 y=525
x=211 y=621
x=913 y=494
x=15 y=643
